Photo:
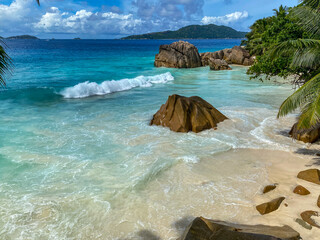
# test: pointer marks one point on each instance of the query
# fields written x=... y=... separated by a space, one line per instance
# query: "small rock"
x=217 y=64
x=286 y=205
x=301 y=190
x=310 y=175
x=318 y=203
x=303 y=224
x=269 y=188
x=307 y=217
x=269 y=207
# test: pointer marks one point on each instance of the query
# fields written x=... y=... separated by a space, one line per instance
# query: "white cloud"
x=227 y=19
x=84 y=21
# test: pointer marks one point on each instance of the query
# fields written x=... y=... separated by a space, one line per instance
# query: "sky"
x=109 y=19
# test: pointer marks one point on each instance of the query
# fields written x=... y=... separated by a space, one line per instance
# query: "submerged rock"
x=269 y=188
x=269 y=207
x=217 y=64
x=301 y=190
x=307 y=136
x=308 y=216
x=184 y=114
x=205 y=229
x=310 y=175
x=178 y=55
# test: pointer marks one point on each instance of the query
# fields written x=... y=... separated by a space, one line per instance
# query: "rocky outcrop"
x=269 y=207
x=178 y=55
x=184 y=114
x=236 y=55
x=205 y=229
x=307 y=136
x=310 y=175
x=268 y=188
x=308 y=217
x=301 y=190
x=217 y=64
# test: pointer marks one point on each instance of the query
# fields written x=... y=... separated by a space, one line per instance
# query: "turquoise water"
x=78 y=159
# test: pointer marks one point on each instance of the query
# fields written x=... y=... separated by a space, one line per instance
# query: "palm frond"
x=309 y=19
x=311 y=3
x=310 y=116
x=5 y=64
x=38 y=1
x=307 y=93
x=305 y=52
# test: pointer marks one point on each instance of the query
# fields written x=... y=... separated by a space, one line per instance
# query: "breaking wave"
x=87 y=89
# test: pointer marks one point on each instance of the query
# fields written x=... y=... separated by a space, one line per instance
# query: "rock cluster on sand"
x=301 y=190
x=269 y=207
x=184 y=114
x=236 y=55
x=205 y=229
x=307 y=136
x=185 y=55
x=178 y=55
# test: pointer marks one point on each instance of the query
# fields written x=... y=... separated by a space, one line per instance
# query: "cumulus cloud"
x=84 y=21
x=227 y=19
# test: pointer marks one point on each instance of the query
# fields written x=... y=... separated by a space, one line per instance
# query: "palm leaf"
x=309 y=19
x=310 y=116
x=5 y=64
x=307 y=93
x=311 y=3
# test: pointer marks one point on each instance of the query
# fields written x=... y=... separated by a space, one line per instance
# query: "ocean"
x=79 y=160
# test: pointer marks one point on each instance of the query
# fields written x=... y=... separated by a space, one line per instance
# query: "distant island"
x=22 y=37
x=193 y=32
x=77 y=38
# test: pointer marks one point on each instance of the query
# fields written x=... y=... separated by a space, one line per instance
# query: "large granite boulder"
x=236 y=55
x=307 y=136
x=205 y=229
x=217 y=64
x=184 y=114
x=178 y=55
x=269 y=207
x=310 y=175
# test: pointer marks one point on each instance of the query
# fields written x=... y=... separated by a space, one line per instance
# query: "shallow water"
x=79 y=167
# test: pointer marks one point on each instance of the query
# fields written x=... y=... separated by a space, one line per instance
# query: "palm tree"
x=306 y=54
x=5 y=61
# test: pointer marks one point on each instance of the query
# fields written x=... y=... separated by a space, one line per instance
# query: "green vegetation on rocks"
x=210 y=31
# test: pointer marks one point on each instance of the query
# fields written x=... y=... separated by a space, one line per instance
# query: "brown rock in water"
x=269 y=207
x=205 y=229
x=310 y=175
x=184 y=114
x=269 y=188
x=217 y=64
x=248 y=61
x=307 y=136
x=301 y=190
x=318 y=203
x=307 y=217
x=178 y=55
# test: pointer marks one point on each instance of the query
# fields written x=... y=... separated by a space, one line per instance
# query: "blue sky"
x=117 y=18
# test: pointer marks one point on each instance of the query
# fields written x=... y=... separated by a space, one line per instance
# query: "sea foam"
x=87 y=89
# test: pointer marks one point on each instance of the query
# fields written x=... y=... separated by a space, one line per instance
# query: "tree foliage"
x=267 y=33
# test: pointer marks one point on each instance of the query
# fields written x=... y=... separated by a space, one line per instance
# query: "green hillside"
x=193 y=32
